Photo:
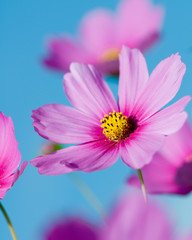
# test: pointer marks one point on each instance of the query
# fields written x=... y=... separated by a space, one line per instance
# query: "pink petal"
x=178 y=146
x=88 y=92
x=169 y=172
x=170 y=119
x=162 y=86
x=10 y=156
x=63 y=51
x=110 y=67
x=7 y=182
x=132 y=219
x=87 y=157
x=133 y=78
x=138 y=21
x=18 y=172
x=97 y=31
x=62 y=124
x=138 y=150
x=159 y=177
x=189 y=237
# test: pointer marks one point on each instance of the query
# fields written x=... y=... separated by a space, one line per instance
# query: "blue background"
x=25 y=25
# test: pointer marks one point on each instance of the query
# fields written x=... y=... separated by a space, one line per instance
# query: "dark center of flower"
x=117 y=127
x=183 y=175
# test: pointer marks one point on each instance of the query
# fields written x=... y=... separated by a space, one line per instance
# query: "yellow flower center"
x=117 y=127
x=110 y=55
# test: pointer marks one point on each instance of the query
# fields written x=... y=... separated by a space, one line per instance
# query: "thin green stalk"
x=8 y=221
x=142 y=185
x=87 y=193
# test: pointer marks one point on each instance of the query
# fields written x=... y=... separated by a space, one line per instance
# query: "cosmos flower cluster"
x=141 y=127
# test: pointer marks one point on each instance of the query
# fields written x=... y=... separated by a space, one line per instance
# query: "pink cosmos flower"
x=72 y=229
x=171 y=168
x=10 y=156
x=136 y=23
x=134 y=128
x=133 y=219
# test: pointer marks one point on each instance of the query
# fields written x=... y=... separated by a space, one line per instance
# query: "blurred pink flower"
x=10 y=156
x=133 y=219
x=72 y=229
x=134 y=128
x=136 y=23
x=189 y=237
x=170 y=171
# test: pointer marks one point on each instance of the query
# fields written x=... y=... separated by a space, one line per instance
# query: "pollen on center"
x=110 y=55
x=117 y=127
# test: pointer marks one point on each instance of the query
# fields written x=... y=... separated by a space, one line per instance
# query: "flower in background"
x=189 y=237
x=10 y=156
x=135 y=220
x=72 y=229
x=130 y=219
x=134 y=128
x=136 y=24
x=170 y=171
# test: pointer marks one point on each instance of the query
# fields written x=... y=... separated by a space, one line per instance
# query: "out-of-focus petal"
x=159 y=177
x=88 y=157
x=97 y=31
x=62 y=124
x=88 y=92
x=135 y=220
x=162 y=86
x=133 y=78
x=71 y=229
x=138 y=21
x=170 y=169
x=63 y=51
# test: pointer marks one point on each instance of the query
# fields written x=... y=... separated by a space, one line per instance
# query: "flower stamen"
x=110 y=55
x=117 y=127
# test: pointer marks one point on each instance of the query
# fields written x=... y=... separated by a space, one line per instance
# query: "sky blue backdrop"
x=26 y=85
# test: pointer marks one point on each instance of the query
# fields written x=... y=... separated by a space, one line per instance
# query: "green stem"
x=8 y=221
x=142 y=185
x=87 y=193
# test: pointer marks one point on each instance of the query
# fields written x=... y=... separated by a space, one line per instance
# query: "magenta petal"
x=162 y=86
x=18 y=172
x=132 y=219
x=178 y=146
x=138 y=20
x=87 y=157
x=170 y=171
x=62 y=124
x=10 y=156
x=63 y=51
x=133 y=78
x=159 y=177
x=72 y=229
x=8 y=182
x=88 y=92
x=170 y=119
x=138 y=150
